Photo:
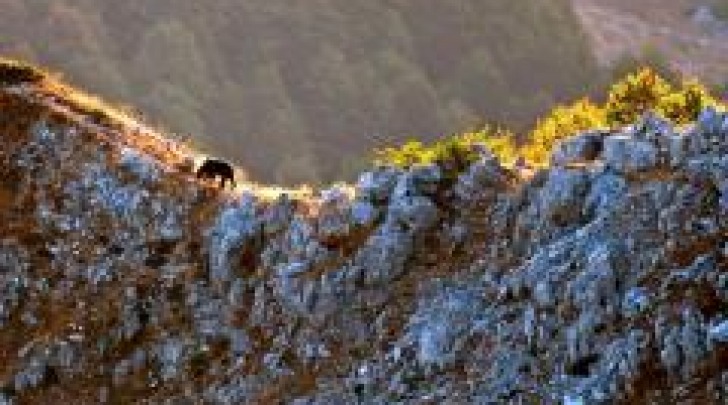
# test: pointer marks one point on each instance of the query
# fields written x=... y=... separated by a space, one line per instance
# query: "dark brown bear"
x=212 y=168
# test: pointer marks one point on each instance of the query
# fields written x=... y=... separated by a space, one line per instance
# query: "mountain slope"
x=687 y=34
x=124 y=280
x=301 y=91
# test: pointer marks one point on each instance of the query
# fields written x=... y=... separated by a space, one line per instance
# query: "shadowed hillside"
x=688 y=36
x=301 y=90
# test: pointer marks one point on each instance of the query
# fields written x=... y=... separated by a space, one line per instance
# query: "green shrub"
x=411 y=153
x=503 y=144
x=634 y=95
x=561 y=123
x=684 y=106
x=646 y=90
x=454 y=152
x=628 y=100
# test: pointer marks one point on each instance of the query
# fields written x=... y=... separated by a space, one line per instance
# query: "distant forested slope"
x=300 y=90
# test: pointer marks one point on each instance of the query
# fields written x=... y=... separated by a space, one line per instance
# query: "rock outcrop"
x=601 y=280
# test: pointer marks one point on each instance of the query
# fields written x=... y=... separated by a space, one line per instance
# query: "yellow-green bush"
x=503 y=145
x=684 y=105
x=411 y=153
x=634 y=95
x=561 y=123
x=646 y=90
x=456 y=151
x=627 y=100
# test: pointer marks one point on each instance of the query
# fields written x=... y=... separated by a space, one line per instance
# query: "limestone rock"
x=625 y=154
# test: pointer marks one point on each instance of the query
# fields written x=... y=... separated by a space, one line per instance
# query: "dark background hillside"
x=300 y=91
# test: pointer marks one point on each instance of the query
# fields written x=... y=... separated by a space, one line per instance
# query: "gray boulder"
x=581 y=148
x=413 y=213
x=418 y=181
x=144 y=167
x=364 y=213
x=625 y=154
x=481 y=180
x=376 y=186
x=440 y=324
x=719 y=332
x=606 y=192
x=678 y=149
x=710 y=121
x=235 y=227
x=171 y=354
x=563 y=190
x=636 y=301
x=385 y=255
x=334 y=222
x=652 y=127
x=278 y=215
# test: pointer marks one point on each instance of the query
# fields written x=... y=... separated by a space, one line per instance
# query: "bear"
x=212 y=168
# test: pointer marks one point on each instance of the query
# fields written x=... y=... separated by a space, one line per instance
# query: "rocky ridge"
x=603 y=279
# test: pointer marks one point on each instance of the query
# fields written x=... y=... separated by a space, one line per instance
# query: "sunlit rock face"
x=602 y=279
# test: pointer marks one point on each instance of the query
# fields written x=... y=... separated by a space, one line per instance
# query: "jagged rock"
x=123 y=201
x=334 y=222
x=277 y=216
x=364 y=214
x=121 y=370
x=574 y=400
x=413 y=213
x=719 y=332
x=238 y=391
x=721 y=286
x=606 y=191
x=376 y=186
x=439 y=324
x=384 y=256
x=274 y=364
x=32 y=376
x=120 y=276
x=709 y=135
x=652 y=127
x=146 y=169
x=235 y=227
x=237 y=293
x=581 y=148
x=678 y=149
x=239 y=342
x=710 y=121
x=6 y=400
x=625 y=154
x=692 y=341
x=564 y=190
x=457 y=234
x=172 y=357
x=636 y=301
x=418 y=181
x=482 y=179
